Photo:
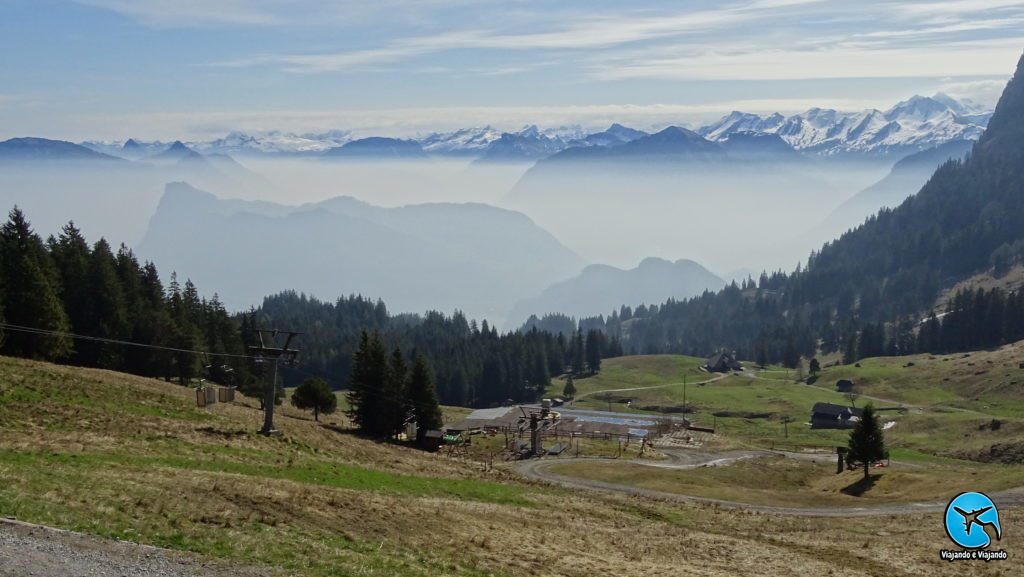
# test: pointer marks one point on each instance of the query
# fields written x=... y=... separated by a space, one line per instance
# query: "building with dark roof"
x=722 y=363
x=829 y=416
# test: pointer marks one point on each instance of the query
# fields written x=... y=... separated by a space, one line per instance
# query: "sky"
x=195 y=69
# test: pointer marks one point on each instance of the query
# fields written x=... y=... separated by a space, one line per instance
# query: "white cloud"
x=983 y=92
x=176 y=13
x=217 y=13
x=841 y=60
x=586 y=33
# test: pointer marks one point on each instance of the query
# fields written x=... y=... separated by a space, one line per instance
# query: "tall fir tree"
x=394 y=402
x=579 y=359
x=867 y=443
x=366 y=384
x=594 y=350
x=569 y=391
x=71 y=255
x=422 y=397
x=31 y=294
x=105 y=315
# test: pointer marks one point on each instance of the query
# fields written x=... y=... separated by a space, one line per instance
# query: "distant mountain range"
x=471 y=257
x=915 y=124
x=43 y=149
x=599 y=289
x=55 y=181
x=377 y=147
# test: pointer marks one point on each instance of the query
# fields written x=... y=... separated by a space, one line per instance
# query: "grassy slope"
x=133 y=458
x=803 y=482
x=955 y=398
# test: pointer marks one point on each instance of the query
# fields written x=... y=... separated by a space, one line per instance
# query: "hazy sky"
x=166 y=69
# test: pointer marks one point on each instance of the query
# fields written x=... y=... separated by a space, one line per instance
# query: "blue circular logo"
x=972 y=521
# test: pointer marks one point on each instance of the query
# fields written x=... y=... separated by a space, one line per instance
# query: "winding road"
x=684 y=459
x=539 y=469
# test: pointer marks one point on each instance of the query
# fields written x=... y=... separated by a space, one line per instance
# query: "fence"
x=774 y=445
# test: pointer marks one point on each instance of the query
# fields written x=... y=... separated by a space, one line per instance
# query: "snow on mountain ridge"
x=917 y=123
x=914 y=124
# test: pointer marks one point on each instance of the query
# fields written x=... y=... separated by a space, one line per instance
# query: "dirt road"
x=540 y=469
x=28 y=550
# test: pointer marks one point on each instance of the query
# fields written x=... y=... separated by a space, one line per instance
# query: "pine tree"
x=594 y=350
x=850 y=348
x=316 y=395
x=570 y=388
x=31 y=293
x=867 y=444
x=578 y=354
x=366 y=383
x=105 y=315
x=814 y=367
x=71 y=255
x=423 y=398
x=394 y=401
x=790 y=356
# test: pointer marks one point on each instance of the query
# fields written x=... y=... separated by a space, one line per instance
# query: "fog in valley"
x=727 y=217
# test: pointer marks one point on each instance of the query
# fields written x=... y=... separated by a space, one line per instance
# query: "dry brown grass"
x=75 y=454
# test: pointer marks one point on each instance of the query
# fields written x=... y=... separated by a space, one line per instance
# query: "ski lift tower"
x=269 y=354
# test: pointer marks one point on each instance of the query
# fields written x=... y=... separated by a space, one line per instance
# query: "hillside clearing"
x=120 y=456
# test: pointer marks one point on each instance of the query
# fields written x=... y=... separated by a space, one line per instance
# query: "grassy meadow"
x=133 y=458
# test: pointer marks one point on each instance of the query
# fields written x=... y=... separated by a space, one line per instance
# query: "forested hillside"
x=53 y=292
x=64 y=300
x=880 y=277
x=474 y=364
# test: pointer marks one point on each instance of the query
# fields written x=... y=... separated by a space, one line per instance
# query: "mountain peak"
x=178 y=146
x=1005 y=133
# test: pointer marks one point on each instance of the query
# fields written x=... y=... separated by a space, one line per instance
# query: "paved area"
x=28 y=550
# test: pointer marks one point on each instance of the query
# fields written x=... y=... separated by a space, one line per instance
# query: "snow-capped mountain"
x=467 y=141
x=530 y=143
x=275 y=142
x=615 y=135
x=915 y=124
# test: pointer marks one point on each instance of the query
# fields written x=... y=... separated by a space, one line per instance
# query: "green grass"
x=130 y=458
x=989 y=382
x=749 y=411
x=636 y=371
x=305 y=471
x=792 y=482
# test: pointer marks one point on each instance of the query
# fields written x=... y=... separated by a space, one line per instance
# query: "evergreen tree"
x=314 y=394
x=790 y=356
x=105 y=315
x=578 y=354
x=71 y=256
x=423 y=398
x=850 y=348
x=366 y=383
x=867 y=444
x=31 y=293
x=570 y=387
x=394 y=401
x=814 y=367
x=594 y=350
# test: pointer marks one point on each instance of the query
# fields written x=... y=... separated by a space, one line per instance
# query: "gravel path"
x=35 y=551
x=540 y=469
